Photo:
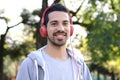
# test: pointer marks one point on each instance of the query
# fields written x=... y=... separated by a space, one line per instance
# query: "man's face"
x=58 y=28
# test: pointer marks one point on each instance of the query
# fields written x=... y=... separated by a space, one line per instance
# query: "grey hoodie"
x=34 y=67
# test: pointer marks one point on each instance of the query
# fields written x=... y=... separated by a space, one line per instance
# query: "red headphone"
x=43 y=28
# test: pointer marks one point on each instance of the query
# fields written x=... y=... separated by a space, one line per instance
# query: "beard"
x=58 y=42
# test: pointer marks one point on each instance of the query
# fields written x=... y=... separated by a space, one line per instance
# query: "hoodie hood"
x=37 y=55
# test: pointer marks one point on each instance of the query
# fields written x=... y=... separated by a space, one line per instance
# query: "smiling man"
x=54 y=61
x=58 y=28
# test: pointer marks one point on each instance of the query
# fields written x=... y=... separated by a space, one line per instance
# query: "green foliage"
x=20 y=49
x=104 y=38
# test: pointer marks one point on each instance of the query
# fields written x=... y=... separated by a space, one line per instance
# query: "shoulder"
x=26 y=63
x=29 y=60
x=78 y=57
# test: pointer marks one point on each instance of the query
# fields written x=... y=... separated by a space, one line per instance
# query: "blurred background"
x=96 y=35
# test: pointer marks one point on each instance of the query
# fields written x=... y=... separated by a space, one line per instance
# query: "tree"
x=2 y=43
x=103 y=37
x=17 y=53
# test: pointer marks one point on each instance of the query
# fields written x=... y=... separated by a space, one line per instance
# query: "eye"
x=54 y=24
x=65 y=23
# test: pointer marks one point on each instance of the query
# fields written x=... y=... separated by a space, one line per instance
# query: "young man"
x=54 y=61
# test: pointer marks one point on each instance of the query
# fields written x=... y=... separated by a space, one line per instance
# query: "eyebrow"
x=66 y=20
x=53 y=21
x=57 y=21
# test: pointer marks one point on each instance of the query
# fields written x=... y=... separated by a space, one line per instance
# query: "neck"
x=58 y=52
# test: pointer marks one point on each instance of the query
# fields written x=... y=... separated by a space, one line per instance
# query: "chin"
x=59 y=44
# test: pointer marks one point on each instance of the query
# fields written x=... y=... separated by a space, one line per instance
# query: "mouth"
x=60 y=34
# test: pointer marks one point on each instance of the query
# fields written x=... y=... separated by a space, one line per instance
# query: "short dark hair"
x=54 y=7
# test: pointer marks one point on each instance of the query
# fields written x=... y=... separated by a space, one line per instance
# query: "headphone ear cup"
x=71 y=30
x=43 y=31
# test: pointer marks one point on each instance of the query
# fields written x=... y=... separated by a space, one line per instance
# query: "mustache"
x=59 y=32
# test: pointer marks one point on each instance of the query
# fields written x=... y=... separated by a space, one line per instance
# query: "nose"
x=60 y=28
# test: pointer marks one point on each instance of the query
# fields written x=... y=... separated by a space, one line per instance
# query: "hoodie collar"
x=38 y=55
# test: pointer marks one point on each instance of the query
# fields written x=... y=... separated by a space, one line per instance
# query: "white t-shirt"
x=59 y=70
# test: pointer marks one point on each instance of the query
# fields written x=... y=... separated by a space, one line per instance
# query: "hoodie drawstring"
x=36 y=66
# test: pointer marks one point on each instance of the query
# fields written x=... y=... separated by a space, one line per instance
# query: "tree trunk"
x=113 y=76
x=2 y=41
x=39 y=40
x=105 y=77
x=98 y=75
x=1 y=67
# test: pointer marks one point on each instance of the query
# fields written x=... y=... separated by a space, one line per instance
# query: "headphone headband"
x=43 y=15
